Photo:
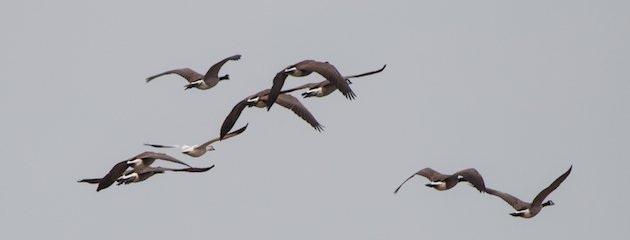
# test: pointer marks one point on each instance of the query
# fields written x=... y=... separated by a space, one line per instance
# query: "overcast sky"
x=519 y=91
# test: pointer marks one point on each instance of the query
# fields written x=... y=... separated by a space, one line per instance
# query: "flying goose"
x=196 y=79
x=146 y=174
x=141 y=169
x=199 y=150
x=260 y=100
x=443 y=182
x=529 y=210
x=324 y=88
x=305 y=68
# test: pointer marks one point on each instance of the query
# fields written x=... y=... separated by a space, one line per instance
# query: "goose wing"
x=190 y=169
x=278 y=82
x=473 y=177
x=112 y=175
x=293 y=104
x=186 y=73
x=214 y=70
x=429 y=173
x=516 y=203
x=90 y=180
x=367 y=73
x=229 y=135
x=150 y=157
x=231 y=118
x=545 y=192
x=305 y=86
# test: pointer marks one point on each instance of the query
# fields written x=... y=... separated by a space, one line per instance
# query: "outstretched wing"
x=308 y=85
x=186 y=73
x=473 y=177
x=278 y=81
x=367 y=73
x=162 y=146
x=398 y=188
x=516 y=203
x=90 y=180
x=214 y=70
x=545 y=192
x=112 y=175
x=229 y=135
x=148 y=158
x=296 y=106
x=231 y=118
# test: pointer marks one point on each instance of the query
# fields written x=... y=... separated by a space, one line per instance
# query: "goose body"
x=196 y=80
x=137 y=169
x=260 y=100
x=443 y=182
x=201 y=149
x=529 y=210
x=305 y=68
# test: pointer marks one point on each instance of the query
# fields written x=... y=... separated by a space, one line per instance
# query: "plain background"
x=518 y=90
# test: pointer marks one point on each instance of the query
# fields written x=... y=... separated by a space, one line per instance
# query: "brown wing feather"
x=90 y=180
x=516 y=203
x=367 y=73
x=186 y=73
x=231 y=118
x=431 y=174
x=473 y=177
x=545 y=192
x=278 y=81
x=112 y=175
x=148 y=158
x=214 y=70
x=229 y=135
x=398 y=188
x=308 y=85
x=294 y=105
x=191 y=169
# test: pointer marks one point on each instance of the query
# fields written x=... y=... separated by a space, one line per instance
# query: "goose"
x=305 y=68
x=443 y=182
x=260 y=100
x=199 y=150
x=325 y=88
x=146 y=174
x=529 y=210
x=141 y=170
x=196 y=80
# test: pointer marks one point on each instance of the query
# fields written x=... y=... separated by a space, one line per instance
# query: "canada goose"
x=147 y=174
x=199 y=150
x=324 y=88
x=140 y=171
x=260 y=100
x=443 y=182
x=529 y=210
x=196 y=79
x=305 y=68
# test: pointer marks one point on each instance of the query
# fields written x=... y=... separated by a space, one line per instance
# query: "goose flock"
x=139 y=168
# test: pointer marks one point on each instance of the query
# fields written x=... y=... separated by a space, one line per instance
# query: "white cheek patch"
x=288 y=70
x=253 y=100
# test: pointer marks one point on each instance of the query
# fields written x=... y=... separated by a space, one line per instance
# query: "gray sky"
x=519 y=91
